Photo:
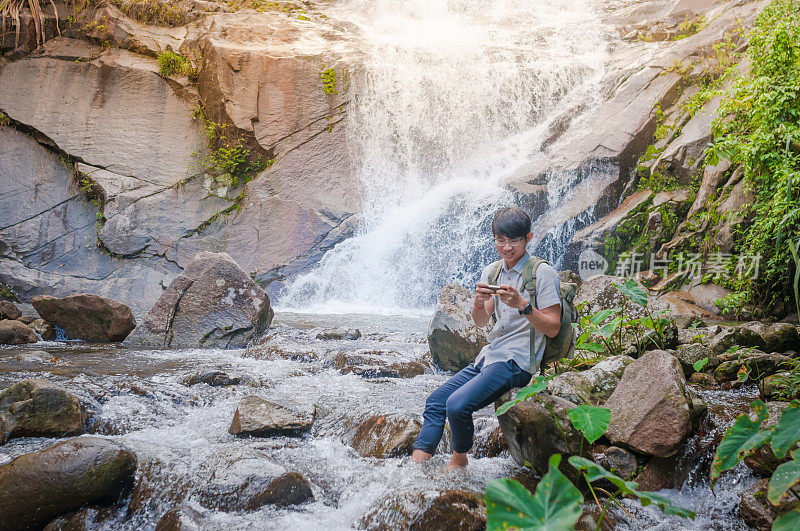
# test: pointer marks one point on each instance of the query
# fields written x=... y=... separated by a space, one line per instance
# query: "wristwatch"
x=526 y=310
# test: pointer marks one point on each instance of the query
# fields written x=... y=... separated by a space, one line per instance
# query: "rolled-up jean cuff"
x=421 y=446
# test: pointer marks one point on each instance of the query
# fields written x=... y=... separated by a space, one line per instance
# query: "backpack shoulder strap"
x=494 y=272
x=529 y=276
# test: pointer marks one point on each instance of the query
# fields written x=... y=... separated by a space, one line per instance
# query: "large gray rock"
x=650 y=409
x=9 y=311
x=256 y=416
x=39 y=408
x=533 y=434
x=213 y=303
x=37 y=487
x=86 y=316
x=16 y=333
x=759 y=364
x=384 y=436
x=592 y=386
x=454 y=339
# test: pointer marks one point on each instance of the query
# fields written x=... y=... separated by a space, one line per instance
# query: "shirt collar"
x=519 y=265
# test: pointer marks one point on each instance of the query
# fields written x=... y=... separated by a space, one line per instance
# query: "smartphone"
x=493 y=287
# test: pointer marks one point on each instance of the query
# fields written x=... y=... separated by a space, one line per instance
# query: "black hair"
x=511 y=222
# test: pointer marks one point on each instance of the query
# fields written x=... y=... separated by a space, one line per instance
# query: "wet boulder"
x=37 y=487
x=9 y=311
x=85 y=316
x=757 y=511
x=258 y=417
x=212 y=378
x=385 y=436
x=533 y=434
x=44 y=329
x=244 y=480
x=600 y=293
x=212 y=303
x=690 y=354
x=377 y=364
x=16 y=333
x=454 y=339
x=650 y=409
x=453 y=509
x=39 y=408
x=617 y=460
x=759 y=364
x=182 y=518
x=593 y=385
x=741 y=336
x=659 y=473
x=427 y=509
x=291 y=488
x=778 y=337
x=339 y=334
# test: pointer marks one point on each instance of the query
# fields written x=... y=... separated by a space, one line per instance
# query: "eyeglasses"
x=502 y=242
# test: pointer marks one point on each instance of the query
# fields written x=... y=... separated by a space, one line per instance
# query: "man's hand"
x=482 y=293
x=511 y=297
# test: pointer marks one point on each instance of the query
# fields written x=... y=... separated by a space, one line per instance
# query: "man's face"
x=511 y=249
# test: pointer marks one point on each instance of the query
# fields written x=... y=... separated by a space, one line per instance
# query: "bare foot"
x=457 y=461
x=418 y=456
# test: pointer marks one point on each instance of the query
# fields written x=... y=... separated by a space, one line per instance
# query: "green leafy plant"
x=556 y=503
x=746 y=436
x=606 y=330
x=591 y=421
x=699 y=364
x=537 y=385
x=759 y=129
x=172 y=64
x=328 y=78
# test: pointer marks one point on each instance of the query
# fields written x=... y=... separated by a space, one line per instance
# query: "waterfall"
x=451 y=98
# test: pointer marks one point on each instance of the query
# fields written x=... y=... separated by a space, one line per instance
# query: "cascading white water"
x=452 y=97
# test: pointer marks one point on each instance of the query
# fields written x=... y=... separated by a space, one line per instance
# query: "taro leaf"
x=699 y=364
x=740 y=440
x=787 y=521
x=743 y=373
x=633 y=291
x=536 y=386
x=594 y=346
x=787 y=432
x=608 y=329
x=785 y=477
x=555 y=505
x=595 y=472
x=590 y=420
x=601 y=316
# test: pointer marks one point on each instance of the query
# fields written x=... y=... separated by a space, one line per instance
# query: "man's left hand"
x=510 y=296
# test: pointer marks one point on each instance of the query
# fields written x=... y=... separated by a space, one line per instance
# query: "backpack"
x=563 y=344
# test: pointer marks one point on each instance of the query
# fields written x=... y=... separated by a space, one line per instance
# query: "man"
x=506 y=361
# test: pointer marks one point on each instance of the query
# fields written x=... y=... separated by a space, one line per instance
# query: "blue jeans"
x=470 y=389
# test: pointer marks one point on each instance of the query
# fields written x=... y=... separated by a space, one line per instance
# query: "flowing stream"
x=185 y=454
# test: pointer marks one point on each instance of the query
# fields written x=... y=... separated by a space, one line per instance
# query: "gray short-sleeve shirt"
x=510 y=338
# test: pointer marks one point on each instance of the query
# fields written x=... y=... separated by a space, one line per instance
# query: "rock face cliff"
x=104 y=161
x=112 y=173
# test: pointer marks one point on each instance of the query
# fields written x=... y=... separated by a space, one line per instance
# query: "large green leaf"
x=555 y=506
x=595 y=472
x=699 y=364
x=741 y=439
x=590 y=420
x=633 y=292
x=787 y=432
x=601 y=316
x=787 y=521
x=608 y=329
x=536 y=386
x=785 y=477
